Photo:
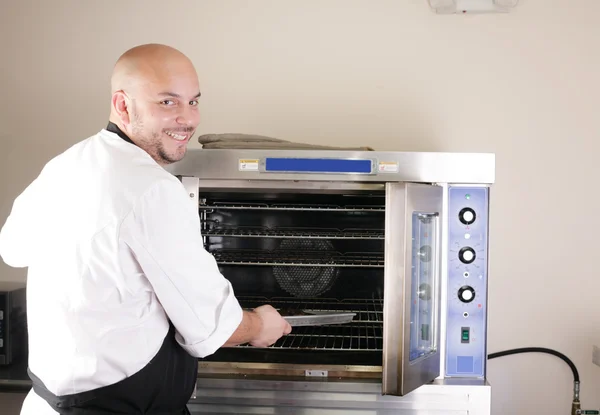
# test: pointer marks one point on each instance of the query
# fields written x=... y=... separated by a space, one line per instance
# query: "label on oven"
x=388 y=167
x=248 y=165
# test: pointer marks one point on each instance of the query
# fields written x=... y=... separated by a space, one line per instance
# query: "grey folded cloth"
x=251 y=141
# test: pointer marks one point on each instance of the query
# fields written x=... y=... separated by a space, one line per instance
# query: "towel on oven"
x=251 y=141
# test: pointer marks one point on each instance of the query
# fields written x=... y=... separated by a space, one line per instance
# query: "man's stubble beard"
x=153 y=145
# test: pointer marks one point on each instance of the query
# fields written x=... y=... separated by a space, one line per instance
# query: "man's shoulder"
x=104 y=163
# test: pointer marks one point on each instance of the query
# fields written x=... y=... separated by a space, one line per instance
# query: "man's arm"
x=17 y=241
x=163 y=232
x=247 y=331
x=261 y=327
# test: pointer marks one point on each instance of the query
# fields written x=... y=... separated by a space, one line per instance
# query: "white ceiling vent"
x=472 y=6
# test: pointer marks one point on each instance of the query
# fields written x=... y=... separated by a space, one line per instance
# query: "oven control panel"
x=467 y=281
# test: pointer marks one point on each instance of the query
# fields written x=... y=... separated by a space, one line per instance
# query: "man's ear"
x=121 y=105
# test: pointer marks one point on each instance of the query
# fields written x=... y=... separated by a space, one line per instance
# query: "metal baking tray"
x=319 y=318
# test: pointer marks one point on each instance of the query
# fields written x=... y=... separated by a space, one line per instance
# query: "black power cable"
x=576 y=405
x=538 y=350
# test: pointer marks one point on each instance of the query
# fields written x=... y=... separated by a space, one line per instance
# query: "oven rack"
x=298 y=258
x=300 y=233
x=368 y=311
x=365 y=333
x=341 y=338
x=294 y=207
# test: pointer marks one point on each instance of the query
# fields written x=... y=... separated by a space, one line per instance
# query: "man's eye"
x=167 y=102
x=194 y=102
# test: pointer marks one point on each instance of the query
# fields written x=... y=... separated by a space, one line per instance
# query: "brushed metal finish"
x=312 y=397
x=289 y=186
x=423 y=167
x=400 y=376
x=285 y=369
x=394 y=293
x=191 y=185
x=444 y=278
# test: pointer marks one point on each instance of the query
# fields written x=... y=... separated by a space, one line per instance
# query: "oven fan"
x=306 y=281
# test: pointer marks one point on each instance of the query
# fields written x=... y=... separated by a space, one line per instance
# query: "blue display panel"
x=314 y=165
x=467 y=281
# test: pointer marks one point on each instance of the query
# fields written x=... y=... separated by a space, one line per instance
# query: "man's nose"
x=188 y=116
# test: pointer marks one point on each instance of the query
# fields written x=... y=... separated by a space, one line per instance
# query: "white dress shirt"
x=113 y=248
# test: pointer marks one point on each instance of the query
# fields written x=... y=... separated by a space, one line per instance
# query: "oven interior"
x=318 y=250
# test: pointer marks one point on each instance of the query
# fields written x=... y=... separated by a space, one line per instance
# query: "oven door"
x=411 y=319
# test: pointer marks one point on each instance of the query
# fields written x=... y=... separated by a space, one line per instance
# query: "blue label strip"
x=309 y=165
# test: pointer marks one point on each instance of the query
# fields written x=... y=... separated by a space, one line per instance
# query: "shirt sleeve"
x=163 y=231
x=16 y=237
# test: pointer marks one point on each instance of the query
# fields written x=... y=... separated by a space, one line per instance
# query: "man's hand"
x=273 y=326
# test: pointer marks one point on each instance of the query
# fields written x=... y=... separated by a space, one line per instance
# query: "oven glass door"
x=411 y=321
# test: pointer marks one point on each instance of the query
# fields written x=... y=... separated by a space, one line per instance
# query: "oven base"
x=235 y=395
x=242 y=369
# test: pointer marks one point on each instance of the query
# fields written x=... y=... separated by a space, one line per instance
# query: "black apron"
x=162 y=387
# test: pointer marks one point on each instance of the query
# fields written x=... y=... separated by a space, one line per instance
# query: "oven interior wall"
x=303 y=251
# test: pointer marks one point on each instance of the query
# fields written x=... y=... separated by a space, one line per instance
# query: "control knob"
x=466 y=255
x=466 y=294
x=467 y=216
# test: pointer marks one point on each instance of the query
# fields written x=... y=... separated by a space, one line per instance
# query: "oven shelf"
x=294 y=207
x=300 y=233
x=298 y=258
x=365 y=333
x=342 y=338
x=367 y=311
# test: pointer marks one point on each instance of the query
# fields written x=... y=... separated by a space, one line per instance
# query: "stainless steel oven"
x=398 y=239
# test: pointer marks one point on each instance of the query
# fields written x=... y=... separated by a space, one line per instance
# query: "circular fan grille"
x=306 y=281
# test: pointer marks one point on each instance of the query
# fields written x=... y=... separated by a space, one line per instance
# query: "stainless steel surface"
x=316 y=397
x=222 y=183
x=400 y=376
x=293 y=371
x=291 y=207
x=191 y=185
x=444 y=290
x=425 y=167
x=315 y=318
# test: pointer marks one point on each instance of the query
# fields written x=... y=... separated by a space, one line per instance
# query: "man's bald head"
x=147 y=63
x=154 y=99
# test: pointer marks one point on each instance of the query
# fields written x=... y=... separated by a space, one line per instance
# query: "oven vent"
x=306 y=281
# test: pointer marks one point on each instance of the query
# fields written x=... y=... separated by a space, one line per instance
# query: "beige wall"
x=388 y=74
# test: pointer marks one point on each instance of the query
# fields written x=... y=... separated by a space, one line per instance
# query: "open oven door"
x=411 y=319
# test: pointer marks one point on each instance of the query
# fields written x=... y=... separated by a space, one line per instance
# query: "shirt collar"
x=113 y=128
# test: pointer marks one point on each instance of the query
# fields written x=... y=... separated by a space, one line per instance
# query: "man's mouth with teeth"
x=178 y=136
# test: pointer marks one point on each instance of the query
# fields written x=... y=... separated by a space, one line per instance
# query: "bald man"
x=122 y=297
